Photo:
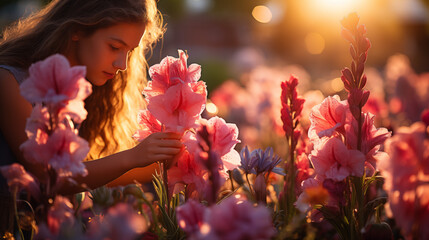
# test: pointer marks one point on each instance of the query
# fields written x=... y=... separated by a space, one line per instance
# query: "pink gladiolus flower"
x=61 y=214
x=331 y=159
x=312 y=193
x=303 y=171
x=291 y=105
x=171 y=71
x=328 y=117
x=175 y=96
x=237 y=218
x=53 y=81
x=179 y=108
x=69 y=151
x=223 y=137
x=188 y=172
x=406 y=179
x=18 y=178
x=120 y=222
x=38 y=122
x=372 y=139
x=149 y=125
x=190 y=216
x=63 y=150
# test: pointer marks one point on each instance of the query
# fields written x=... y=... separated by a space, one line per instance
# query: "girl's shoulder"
x=17 y=73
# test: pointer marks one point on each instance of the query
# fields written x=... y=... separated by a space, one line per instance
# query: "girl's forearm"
x=101 y=172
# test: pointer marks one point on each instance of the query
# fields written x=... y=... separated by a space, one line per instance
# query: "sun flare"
x=334 y=8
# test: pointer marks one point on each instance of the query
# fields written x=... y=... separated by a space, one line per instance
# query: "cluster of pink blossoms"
x=406 y=176
x=176 y=99
x=333 y=132
x=345 y=139
x=233 y=218
x=58 y=92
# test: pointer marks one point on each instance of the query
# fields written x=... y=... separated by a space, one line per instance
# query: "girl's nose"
x=120 y=62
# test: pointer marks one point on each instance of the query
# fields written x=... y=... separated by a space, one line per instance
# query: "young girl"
x=110 y=38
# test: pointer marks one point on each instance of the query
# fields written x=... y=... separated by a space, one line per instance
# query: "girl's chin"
x=97 y=81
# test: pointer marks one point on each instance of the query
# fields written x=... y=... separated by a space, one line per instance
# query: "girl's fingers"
x=169 y=151
x=170 y=143
x=168 y=135
x=162 y=157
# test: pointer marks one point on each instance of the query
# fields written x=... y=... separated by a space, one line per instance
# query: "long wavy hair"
x=112 y=108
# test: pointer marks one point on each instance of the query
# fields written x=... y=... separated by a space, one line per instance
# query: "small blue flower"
x=260 y=161
x=247 y=162
x=266 y=161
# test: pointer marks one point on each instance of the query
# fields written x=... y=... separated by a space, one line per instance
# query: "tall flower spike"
x=291 y=109
x=353 y=78
x=291 y=105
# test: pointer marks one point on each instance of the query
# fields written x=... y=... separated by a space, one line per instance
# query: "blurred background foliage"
x=304 y=32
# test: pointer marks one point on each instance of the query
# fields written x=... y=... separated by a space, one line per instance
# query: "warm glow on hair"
x=113 y=107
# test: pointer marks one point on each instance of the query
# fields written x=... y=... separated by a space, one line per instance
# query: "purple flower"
x=266 y=161
x=247 y=162
x=259 y=161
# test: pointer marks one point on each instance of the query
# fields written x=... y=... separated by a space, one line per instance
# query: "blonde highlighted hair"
x=112 y=108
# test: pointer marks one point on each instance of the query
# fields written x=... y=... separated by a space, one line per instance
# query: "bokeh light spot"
x=315 y=43
x=337 y=84
x=205 y=229
x=211 y=108
x=262 y=14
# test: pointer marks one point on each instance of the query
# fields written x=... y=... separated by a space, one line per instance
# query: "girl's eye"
x=114 y=48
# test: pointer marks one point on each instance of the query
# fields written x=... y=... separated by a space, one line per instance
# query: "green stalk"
x=358 y=182
x=15 y=207
x=165 y=180
x=232 y=182
x=291 y=181
x=248 y=183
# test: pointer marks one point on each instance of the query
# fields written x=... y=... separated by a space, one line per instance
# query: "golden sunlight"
x=315 y=43
x=334 y=9
x=335 y=5
x=262 y=14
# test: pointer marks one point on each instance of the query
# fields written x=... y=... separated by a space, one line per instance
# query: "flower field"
x=275 y=160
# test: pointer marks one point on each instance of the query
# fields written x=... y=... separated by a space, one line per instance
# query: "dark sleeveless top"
x=6 y=156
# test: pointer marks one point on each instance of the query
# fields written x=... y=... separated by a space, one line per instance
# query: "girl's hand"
x=160 y=146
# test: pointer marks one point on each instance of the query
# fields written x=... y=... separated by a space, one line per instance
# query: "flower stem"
x=290 y=198
x=165 y=180
x=16 y=213
x=248 y=183
x=358 y=182
x=232 y=182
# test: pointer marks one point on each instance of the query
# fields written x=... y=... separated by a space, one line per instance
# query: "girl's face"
x=106 y=50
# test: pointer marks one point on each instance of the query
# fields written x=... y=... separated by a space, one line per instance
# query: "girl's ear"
x=75 y=37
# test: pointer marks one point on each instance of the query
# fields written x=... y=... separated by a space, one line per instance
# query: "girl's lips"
x=109 y=75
